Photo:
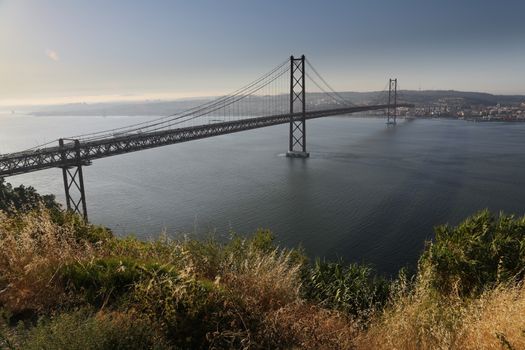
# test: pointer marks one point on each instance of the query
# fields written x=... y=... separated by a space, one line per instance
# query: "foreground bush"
x=478 y=254
x=423 y=320
x=65 y=284
x=468 y=292
x=21 y=198
x=353 y=288
x=242 y=293
x=306 y=326
x=86 y=330
x=416 y=318
x=33 y=248
x=108 y=279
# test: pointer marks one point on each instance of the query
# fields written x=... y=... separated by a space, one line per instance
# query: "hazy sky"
x=72 y=50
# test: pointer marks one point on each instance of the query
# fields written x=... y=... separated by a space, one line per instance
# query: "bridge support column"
x=297 y=144
x=74 y=181
x=392 y=99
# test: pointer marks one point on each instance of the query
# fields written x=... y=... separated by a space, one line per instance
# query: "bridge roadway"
x=82 y=153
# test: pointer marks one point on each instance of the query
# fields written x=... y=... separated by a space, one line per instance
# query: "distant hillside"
x=428 y=97
x=258 y=104
x=469 y=98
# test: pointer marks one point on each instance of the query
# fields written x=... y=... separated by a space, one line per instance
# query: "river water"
x=368 y=193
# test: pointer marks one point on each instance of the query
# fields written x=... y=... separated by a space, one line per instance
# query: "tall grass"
x=467 y=294
x=86 y=329
x=72 y=285
x=416 y=318
x=33 y=248
x=494 y=320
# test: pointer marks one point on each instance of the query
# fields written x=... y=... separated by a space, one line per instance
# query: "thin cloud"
x=52 y=55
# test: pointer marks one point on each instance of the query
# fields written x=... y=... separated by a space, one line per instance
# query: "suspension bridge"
x=277 y=97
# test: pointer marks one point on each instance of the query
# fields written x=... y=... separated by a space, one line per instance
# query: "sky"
x=62 y=51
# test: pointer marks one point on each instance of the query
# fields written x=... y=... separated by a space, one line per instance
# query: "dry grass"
x=242 y=295
x=264 y=281
x=311 y=327
x=163 y=248
x=32 y=249
x=256 y=284
x=423 y=320
x=85 y=329
x=495 y=321
x=416 y=321
x=266 y=287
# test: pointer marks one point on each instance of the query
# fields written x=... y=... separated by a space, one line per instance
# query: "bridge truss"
x=259 y=104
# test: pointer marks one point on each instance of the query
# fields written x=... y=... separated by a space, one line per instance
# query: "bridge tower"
x=74 y=180
x=392 y=100
x=297 y=145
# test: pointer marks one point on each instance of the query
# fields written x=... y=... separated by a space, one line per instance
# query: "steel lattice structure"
x=392 y=102
x=297 y=143
x=67 y=155
x=72 y=154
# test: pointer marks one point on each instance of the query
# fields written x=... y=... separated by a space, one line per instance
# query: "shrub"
x=186 y=309
x=352 y=288
x=305 y=326
x=21 y=198
x=82 y=230
x=423 y=319
x=263 y=281
x=207 y=257
x=416 y=317
x=467 y=293
x=85 y=330
x=477 y=254
x=163 y=249
x=32 y=249
x=107 y=279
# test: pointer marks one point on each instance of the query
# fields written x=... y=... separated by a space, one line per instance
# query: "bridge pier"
x=74 y=181
x=297 y=141
x=392 y=97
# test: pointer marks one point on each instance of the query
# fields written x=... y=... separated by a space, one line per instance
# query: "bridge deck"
x=50 y=157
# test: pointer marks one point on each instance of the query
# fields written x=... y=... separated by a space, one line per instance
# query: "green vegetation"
x=479 y=253
x=351 y=288
x=66 y=284
x=23 y=198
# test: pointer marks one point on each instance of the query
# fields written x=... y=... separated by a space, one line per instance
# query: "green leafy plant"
x=187 y=309
x=21 y=198
x=85 y=330
x=351 y=288
x=107 y=279
x=479 y=253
